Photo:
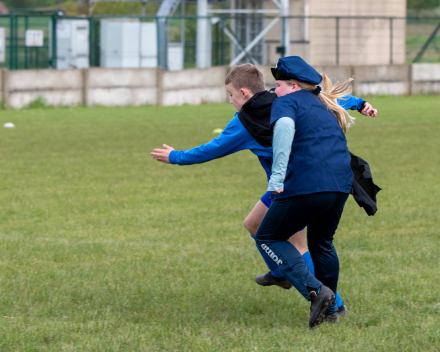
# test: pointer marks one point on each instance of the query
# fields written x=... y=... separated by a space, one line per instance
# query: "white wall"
x=382 y=80
x=134 y=87
x=119 y=87
x=195 y=86
x=58 y=87
x=425 y=79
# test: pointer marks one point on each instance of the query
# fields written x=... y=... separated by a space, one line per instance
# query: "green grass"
x=104 y=249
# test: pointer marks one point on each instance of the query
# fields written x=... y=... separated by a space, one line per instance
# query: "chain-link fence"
x=423 y=40
x=16 y=54
x=32 y=41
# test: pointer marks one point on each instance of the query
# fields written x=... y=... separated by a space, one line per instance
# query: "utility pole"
x=203 y=44
x=144 y=7
x=285 y=28
x=90 y=6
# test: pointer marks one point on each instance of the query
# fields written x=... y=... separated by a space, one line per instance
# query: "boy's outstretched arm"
x=162 y=155
x=368 y=110
x=351 y=102
x=233 y=139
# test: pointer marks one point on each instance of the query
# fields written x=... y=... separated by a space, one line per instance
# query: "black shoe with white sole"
x=342 y=310
x=320 y=303
x=270 y=280
x=332 y=318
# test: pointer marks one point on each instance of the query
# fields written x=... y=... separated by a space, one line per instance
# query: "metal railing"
x=396 y=39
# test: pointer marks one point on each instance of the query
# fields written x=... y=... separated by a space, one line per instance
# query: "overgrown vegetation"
x=28 y=4
x=38 y=103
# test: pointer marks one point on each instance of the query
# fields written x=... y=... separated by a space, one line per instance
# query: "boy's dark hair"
x=246 y=76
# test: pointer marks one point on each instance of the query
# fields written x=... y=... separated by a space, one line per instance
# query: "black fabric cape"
x=363 y=190
x=255 y=117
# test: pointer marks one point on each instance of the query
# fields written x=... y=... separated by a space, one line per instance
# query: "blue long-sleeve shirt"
x=350 y=102
x=235 y=138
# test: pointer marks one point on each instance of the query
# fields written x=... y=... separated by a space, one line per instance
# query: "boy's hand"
x=162 y=155
x=277 y=191
x=368 y=110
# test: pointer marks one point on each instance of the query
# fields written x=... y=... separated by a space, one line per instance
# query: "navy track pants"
x=321 y=213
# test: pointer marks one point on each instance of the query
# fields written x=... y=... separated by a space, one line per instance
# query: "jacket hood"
x=255 y=117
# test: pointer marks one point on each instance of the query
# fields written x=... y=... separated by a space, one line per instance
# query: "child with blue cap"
x=311 y=180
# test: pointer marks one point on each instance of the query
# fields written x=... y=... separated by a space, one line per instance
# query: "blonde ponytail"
x=329 y=95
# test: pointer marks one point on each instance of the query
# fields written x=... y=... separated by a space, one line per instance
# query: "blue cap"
x=293 y=67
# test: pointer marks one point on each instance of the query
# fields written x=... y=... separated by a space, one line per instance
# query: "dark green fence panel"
x=18 y=55
x=422 y=39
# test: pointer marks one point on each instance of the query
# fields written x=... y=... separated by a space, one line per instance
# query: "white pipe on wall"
x=203 y=44
x=285 y=28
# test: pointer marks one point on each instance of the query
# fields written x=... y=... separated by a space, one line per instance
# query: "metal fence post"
x=91 y=51
x=337 y=40
x=54 y=42
x=222 y=54
x=16 y=42
x=391 y=40
x=11 y=41
x=162 y=42
x=26 y=26
x=182 y=28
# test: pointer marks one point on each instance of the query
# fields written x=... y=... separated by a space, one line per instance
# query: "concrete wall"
x=394 y=80
x=383 y=79
x=194 y=86
x=336 y=73
x=61 y=87
x=3 y=74
x=119 y=87
x=425 y=79
x=134 y=87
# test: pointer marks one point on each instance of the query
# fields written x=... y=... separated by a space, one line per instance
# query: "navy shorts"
x=266 y=199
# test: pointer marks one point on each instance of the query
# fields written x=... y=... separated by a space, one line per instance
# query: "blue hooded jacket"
x=235 y=138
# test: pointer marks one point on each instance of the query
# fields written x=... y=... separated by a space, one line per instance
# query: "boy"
x=245 y=85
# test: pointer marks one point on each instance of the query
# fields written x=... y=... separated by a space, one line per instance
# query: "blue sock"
x=339 y=302
x=308 y=259
x=269 y=262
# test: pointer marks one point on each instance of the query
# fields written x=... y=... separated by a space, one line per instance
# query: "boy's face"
x=238 y=97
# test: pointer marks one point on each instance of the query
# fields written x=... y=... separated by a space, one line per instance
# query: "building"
x=326 y=36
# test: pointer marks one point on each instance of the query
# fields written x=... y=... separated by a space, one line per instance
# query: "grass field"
x=104 y=249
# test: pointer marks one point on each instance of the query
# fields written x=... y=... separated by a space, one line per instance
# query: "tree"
x=423 y=4
x=28 y=4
